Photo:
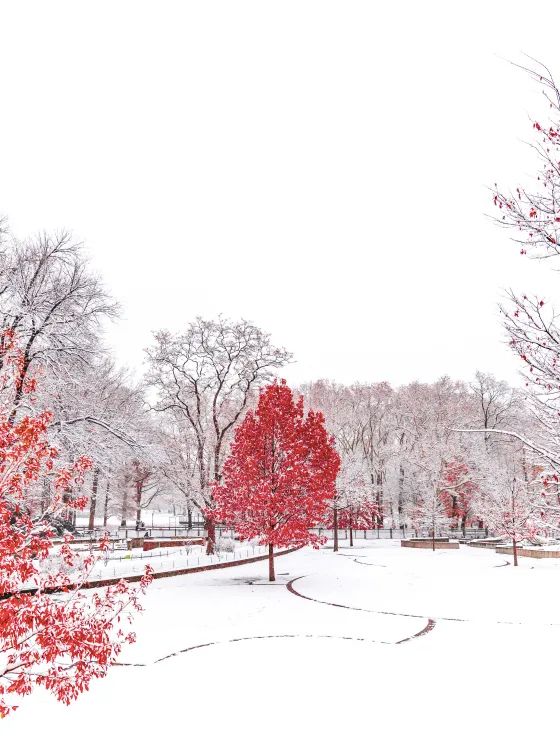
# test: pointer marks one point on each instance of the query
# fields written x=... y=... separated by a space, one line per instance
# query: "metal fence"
x=197 y=531
x=152 y=532
x=388 y=533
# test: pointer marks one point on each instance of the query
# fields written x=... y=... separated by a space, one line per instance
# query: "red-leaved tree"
x=458 y=490
x=357 y=515
x=279 y=475
x=52 y=634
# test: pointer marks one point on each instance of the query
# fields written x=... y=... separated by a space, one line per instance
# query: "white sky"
x=316 y=167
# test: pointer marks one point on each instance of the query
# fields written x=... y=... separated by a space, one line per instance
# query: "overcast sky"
x=320 y=168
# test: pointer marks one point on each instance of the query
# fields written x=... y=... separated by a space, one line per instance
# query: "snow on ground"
x=322 y=676
x=127 y=563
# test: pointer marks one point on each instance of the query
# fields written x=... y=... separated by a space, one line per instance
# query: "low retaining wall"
x=150 y=544
x=428 y=543
x=483 y=543
x=532 y=553
x=536 y=553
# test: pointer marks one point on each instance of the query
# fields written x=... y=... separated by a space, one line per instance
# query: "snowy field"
x=123 y=563
x=430 y=650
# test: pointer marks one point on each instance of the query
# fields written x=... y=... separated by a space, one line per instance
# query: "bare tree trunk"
x=189 y=519
x=379 y=497
x=335 y=527
x=400 y=503
x=433 y=537
x=124 y=506
x=514 y=551
x=93 y=499
x=66 y=511
x=45 y=494
x=138 y=504
x=271 y=575
x=210 y=536
x=351 y=537
x=106 y=505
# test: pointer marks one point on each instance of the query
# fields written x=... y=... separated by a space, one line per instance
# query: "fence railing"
x=160 y=531
x=385 y=533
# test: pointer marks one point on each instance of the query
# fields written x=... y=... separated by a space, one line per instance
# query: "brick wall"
x=428 y=544
x=150 y=544
x=532 y=553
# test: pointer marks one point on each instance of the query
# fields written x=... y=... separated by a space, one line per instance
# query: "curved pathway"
x=263 y=637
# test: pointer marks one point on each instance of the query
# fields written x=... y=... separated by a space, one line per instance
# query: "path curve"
x=365 y=563
x=261 y=637
x=293 y=591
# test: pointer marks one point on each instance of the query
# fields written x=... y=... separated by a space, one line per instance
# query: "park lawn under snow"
x=127 y=563
x=322 y=676
x=123 y=563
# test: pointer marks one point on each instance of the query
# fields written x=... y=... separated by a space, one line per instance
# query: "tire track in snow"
x=364 y=563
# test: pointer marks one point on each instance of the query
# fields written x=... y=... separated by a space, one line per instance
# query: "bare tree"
x=52 y=304
x=533 y=214
x=206 y=377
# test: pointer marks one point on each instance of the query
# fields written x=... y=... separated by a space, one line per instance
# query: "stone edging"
x=534 y=553
x=428 y=543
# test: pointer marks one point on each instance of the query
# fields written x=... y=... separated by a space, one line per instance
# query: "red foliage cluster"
x=361 y=515
x=457 y=490
x=61 y=640
x=280 y=473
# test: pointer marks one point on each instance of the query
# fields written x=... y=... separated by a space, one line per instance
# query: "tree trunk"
x=93 y=499
x=351 y=537
x=45 y=495
x=21 y=381
x=401 y=495
x=379 y=497
x=106 y=505
x=189 y=519
x=271 y=575
x=66 y=511
x=335 y=527
x=138 y=504
x=124 y=506
x=514 y=551
x=433 y=537
x=210 y=536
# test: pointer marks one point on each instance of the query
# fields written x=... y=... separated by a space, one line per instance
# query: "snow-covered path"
x=225 y=659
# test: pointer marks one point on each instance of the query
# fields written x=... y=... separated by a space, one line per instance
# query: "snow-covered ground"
x=229 y=661
x=122 y=563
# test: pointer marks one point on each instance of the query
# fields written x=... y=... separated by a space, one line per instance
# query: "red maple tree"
x=355 y=516
x=51 y=633
x=458 y=491
x=279 y=475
